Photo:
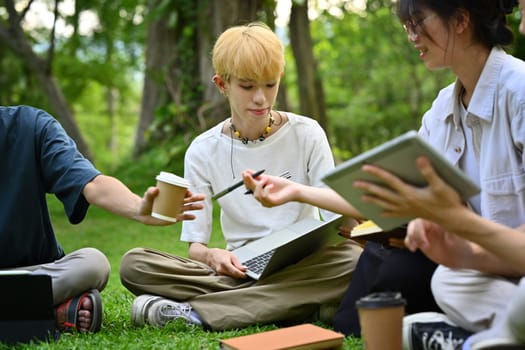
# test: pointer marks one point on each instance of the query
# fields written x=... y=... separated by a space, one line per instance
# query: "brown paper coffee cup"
x=381 y=320
x=172 y=190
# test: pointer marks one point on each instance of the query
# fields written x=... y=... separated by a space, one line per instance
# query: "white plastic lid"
x=173 y=179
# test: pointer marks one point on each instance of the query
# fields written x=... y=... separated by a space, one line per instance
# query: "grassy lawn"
x=114 y=236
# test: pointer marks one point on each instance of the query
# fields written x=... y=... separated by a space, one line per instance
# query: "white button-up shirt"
x=496 y=114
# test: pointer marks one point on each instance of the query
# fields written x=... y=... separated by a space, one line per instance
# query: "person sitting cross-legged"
x=211 y=288
x=37 y=158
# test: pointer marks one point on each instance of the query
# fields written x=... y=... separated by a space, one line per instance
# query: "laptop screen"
x=26 y=307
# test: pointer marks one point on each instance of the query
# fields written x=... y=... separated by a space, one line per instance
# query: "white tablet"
x=399 y=157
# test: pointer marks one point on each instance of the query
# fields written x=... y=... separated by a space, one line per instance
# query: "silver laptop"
x=399 y=157
x=26 y=308
x=287 y=246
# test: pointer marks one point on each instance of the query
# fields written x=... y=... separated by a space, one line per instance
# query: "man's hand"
x=436 y=202
x=270 y=190
x=225 y=263
x=191 y=202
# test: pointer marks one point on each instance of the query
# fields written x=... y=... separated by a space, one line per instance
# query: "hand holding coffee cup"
x=172 y=190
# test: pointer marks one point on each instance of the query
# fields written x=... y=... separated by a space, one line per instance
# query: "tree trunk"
x=159 y=50
x=311 y=93
x=185 y=82
x=223 y=14
x=111 y=101
x=16 y=40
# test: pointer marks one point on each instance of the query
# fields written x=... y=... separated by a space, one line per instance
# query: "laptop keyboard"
x=258 y=263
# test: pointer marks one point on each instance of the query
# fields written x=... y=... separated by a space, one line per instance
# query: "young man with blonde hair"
x=211 y=287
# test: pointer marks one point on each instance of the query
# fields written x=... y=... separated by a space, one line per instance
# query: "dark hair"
x=488 y=16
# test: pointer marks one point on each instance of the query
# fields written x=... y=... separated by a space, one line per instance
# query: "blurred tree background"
x=130 y=79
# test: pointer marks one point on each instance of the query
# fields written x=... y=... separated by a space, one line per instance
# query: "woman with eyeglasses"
x=478 y=123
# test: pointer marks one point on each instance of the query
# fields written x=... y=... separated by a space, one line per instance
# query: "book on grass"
x=302 y=337
x=369 y=231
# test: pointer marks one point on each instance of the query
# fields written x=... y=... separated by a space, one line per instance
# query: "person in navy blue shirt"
x=37 y=157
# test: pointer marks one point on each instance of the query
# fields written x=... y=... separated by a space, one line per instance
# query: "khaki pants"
x=291 y=295
x=75 y=273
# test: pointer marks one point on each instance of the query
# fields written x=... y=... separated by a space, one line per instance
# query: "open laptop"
x=399 y=157
x=287 y=246
x=26 y=307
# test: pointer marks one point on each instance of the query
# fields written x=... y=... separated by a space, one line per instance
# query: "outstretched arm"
x=112 y=195
x=272 y=191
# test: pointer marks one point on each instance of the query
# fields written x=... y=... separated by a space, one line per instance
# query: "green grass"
x=114 y=236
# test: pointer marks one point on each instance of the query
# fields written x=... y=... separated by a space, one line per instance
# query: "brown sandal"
x=66 y=314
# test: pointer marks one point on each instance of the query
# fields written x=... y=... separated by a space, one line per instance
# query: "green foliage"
x=110 y=135
x=518 y=47
x=375 y=86
x=17 y=86
x=166 y=157
x=182 y=96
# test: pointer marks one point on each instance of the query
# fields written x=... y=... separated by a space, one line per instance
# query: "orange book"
x=302 y=337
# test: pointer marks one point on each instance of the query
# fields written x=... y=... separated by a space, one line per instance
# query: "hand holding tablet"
x=397 y=156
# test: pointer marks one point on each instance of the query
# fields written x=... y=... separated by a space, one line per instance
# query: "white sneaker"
x=432 y=331
x=497 y=344
x=157 y=311
x=493 y=339
x=140 y=308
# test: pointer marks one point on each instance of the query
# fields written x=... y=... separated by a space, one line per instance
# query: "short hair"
x=251 y=52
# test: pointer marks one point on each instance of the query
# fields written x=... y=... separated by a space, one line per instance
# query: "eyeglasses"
x=416 y=27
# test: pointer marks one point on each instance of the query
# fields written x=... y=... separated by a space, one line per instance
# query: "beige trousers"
x=293 y=294
x=75 y=273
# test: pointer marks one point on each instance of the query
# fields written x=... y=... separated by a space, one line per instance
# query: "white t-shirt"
x=215 y=161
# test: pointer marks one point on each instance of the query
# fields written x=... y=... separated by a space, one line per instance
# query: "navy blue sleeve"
x=36 y=158
x=65 y=171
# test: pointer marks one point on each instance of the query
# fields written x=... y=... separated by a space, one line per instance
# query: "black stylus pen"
x=237 y=185
x=286 y=175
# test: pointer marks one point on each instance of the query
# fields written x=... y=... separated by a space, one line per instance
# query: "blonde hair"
x=251 y=52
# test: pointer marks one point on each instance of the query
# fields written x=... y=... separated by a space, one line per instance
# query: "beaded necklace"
x=261 y=138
